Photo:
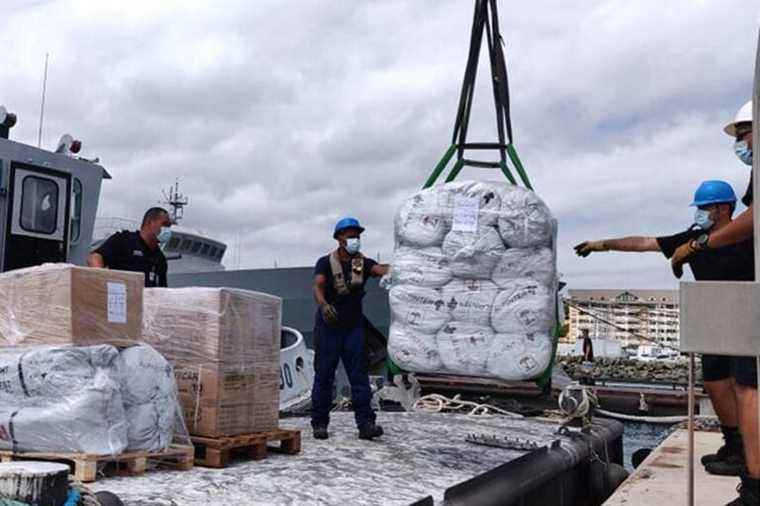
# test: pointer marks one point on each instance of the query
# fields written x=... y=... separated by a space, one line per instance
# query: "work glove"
x=585 y=248
x=681 y=256
x=387 y=279
x=329 y=313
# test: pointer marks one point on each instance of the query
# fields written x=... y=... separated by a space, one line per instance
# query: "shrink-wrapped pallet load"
x=62 y=304
x=87 y=399
x=224 y=345
x=474 y=282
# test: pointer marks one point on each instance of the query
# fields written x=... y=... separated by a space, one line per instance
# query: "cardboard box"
x=225 y=347
x=226 y=403
x=65 y=304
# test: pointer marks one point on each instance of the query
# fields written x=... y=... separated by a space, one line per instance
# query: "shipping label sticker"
x=466 y=213
x=117 y=303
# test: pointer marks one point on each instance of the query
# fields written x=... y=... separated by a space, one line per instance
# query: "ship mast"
x=176 y=202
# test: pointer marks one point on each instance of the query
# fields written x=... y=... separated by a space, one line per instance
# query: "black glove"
x=329 y=313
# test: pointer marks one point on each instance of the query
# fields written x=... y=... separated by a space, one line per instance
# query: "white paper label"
x=466 y=214
x=117 y=303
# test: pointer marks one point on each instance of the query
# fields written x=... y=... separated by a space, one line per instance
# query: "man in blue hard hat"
x=339 y=280
x=715 y=202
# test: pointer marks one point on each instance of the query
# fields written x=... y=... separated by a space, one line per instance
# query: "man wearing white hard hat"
x=745 y=373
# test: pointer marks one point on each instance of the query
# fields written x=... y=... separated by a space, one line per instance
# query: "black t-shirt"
x=747 y=198
x=730 y=263
x=126 y=251
x=349 y=307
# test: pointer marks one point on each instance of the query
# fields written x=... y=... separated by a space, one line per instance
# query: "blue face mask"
x=353 y=245
x=743 y=151
x=164 y=236
x=702 y=219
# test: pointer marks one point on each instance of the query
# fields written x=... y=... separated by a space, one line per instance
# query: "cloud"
x=280 y=117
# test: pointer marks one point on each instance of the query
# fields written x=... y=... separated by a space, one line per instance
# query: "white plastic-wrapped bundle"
x=491 y=276
x=470 y=300
x=524 y=307
x=412 y=350
x=418 y=308
x=427 y=267
x=150 y=398
x=61 y=399
x=473 y=255
x=524 y=219
x=482 y=195
x=421 y=219
x=534 y=263
x=519 y=356
x=464 y=347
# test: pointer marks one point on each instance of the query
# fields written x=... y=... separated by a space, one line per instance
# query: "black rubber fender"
x=106 y=498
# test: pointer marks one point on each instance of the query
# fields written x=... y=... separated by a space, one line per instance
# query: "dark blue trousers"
x=333 y=344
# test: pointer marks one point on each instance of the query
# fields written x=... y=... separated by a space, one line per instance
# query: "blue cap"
x=713 y=192
x=346 y=223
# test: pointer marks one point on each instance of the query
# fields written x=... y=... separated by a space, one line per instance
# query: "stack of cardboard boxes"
x=224 y=345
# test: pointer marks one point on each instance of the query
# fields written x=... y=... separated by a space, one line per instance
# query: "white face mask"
x=743 y=151
x=703 y=220
x=353 y=245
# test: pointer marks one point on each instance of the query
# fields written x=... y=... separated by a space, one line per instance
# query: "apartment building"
x=619 y=314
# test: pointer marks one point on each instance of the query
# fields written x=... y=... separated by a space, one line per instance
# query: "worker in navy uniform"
x=339 y=280
x=739 y=231
x=138 y=251
x=715 y=202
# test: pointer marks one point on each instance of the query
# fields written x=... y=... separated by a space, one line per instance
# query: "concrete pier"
x=663 y=477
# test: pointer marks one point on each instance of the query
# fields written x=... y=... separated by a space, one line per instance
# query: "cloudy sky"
x=278 y=117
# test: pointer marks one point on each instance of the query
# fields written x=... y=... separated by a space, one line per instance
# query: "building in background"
x=650 y=313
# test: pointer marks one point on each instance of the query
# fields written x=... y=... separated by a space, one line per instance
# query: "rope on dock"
x=436 y=403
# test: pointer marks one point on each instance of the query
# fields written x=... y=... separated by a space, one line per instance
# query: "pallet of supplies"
x=59 y=304
x=474 y=282
x=224 y=345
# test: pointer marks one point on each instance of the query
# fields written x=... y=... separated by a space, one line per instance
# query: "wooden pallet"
x=216 y=452
x=85 y=466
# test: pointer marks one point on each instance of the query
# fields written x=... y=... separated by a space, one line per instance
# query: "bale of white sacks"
x=474 y=282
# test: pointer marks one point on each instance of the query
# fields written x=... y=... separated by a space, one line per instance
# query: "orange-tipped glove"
x=681 y=256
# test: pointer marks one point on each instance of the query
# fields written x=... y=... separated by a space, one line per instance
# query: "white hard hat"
x=743 y=116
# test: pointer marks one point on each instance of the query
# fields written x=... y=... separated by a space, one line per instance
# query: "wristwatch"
x=700 y=242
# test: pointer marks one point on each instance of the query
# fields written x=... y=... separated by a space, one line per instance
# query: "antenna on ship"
x=42 y=104
x=176 y=202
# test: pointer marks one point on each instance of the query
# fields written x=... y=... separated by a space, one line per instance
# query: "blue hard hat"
x=713 y=192
x=346 y=223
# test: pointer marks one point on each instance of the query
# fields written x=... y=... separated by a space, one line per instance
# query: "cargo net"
x=96 y=400
x=474 y=282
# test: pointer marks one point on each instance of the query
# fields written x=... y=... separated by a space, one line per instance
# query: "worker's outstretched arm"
x=740 y=229
x=633 y=243
x=95 y=260
x=379 y=270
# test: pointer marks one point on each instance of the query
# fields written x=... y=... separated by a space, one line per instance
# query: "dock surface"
x=422 y=454
x=663 y=477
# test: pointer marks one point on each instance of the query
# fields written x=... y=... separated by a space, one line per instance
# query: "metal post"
x=690 y=491
x=756 y=188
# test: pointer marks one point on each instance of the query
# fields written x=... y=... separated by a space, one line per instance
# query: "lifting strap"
x=339 y=279
x=485 y=21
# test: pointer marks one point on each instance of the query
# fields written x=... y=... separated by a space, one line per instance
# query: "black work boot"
x=320 y=432
x=749 y=492
x=732 y=465
x=370 y=431
x=732 y=443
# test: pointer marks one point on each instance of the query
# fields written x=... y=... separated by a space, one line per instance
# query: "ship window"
x=173 y=243
x=204 y=250
x=220 y=254
x=196 y=247
x=76 y=211
x=212 y=253
x=39 y=205
x=186 y=244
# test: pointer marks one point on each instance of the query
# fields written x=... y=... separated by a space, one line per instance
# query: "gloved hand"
x=681 y=256
x=585 y=248
x=386 y=280
x=329 y=313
